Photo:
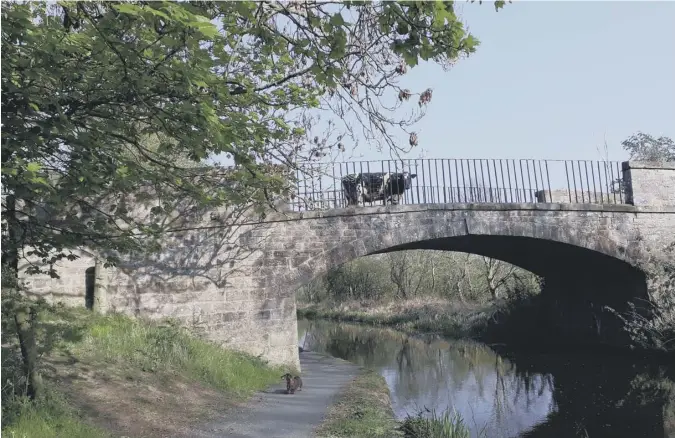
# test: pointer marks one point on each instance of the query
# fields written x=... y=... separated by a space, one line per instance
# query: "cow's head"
x=407 y=179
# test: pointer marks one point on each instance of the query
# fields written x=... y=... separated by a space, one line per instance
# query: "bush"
x=653 y=326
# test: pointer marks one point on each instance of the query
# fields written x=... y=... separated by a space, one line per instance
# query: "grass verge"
x=50 y=417
x=362 y=410
x=113 y=374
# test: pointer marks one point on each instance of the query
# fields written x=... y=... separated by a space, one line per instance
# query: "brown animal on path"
x=292 y=383
x=298 y=383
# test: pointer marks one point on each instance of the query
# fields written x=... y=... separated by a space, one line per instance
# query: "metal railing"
x=441 y=181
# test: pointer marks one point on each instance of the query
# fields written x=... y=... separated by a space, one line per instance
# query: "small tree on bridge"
x=645 y=147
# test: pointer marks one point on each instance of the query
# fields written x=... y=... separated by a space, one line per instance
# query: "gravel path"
x=274 y=414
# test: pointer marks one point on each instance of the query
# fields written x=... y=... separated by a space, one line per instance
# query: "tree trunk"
x=25 y=328
x=24 y=317
x=490 y=273
x=460 y=291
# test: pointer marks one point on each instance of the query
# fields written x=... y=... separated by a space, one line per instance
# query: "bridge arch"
x=554 y=242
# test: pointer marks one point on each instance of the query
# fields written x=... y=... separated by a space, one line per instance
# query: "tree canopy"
x=645 y=147
x=101 y=98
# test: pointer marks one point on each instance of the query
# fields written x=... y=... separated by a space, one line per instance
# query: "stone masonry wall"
x=578 y=197
x=69 y=289
x=649 y=183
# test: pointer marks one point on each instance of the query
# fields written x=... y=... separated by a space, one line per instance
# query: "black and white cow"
x=376 y=186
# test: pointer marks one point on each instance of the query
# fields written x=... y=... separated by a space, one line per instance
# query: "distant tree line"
x=419 y=274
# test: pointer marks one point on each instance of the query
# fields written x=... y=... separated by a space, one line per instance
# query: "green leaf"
x=208 y=29
x=200 y=83
x=336 y=20
x=158 y=13
x=128 y=8
x=33 y=167
x=122 y=171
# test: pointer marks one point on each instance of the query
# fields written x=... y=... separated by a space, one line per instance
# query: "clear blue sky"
x=552 y=80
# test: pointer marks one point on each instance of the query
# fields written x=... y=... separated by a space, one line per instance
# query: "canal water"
x=507 y=395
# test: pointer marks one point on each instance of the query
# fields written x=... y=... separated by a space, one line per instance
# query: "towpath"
x=275 y=414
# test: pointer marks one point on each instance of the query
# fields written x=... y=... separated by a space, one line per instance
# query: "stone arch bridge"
x=238 y=285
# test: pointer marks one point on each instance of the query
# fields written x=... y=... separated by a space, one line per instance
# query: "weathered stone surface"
x=650 y=184
x=578 y=196
x=239 y=289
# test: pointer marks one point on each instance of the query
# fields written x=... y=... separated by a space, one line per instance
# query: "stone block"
x=232 y=294
x=233 y=316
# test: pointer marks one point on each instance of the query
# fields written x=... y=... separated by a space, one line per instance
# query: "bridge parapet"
x=466 y=181
x=649 y=183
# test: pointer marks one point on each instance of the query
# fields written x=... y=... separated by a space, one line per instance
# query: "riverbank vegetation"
x=425 y=315
x=435 y=425
x=453 y=294
x=657 y=330
x=410 y=275
x=113 y=375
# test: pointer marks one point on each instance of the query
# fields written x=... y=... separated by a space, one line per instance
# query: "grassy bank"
x=111 y=374
x=363 y=410
x=421 y=315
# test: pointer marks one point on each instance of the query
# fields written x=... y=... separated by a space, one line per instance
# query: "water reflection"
x=517 y=397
